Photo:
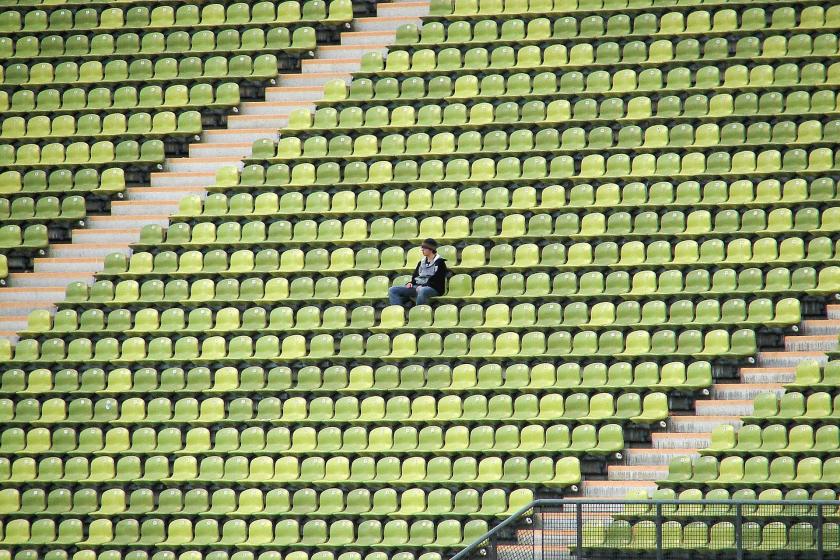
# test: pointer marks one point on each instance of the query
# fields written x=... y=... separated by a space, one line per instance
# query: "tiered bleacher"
x=786 y=452
x=630 y=194
x=95 y=97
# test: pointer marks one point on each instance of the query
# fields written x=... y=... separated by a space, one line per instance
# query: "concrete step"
x=318 y=66
x=163 y=193
x=310 y=80
x=217 y=150
x=614 y=489
x=26 y=296
x=88 y=265
x=635 y=456
x=820 y=327
x=250 y=122
x=811 y=343
x=517 y=552
x=106 y=235
x=788 y=359
x=26 y=307
x=144 y=207
x=200 y=164
x=832 y=311
x=416 y=9
x=249 y=135
x=636 y=473
x=75 y=250
x=182 y=179
x=559 y=520
x=345 y=51
x=13 y=323
x=690 y=423
x=281 y=107
x=680 y=440
x=547 y=537
x=371 y=38
x=128 y=221
x=390 y=23
x=293 y=93
x=744 y=391
x=767 y=375
x=47 y=279
x=727 y=407
x=11 y=336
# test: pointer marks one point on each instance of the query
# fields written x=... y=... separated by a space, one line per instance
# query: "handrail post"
x=660 y=554
x=581 y=555
x=819 y=532
x=739 y=542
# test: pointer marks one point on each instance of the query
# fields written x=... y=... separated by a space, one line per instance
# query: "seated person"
x=428 y=280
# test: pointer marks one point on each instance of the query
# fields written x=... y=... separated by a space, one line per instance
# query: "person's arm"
x=414 y=275
x=438 y=279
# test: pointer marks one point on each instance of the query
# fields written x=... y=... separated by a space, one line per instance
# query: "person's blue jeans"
x=399 y=295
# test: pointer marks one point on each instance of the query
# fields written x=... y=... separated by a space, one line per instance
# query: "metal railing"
x=580 y=529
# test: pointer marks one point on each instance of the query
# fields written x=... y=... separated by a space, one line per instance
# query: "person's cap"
x=430 y=244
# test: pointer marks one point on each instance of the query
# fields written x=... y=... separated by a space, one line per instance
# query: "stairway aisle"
x=79 y=260
x=682 y=436
x=685 y=434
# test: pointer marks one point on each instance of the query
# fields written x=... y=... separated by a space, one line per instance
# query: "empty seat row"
x=537 y=168
x=54 y=47
x=102 y=152
x=493 y=502
x=294 y=411
x=137 y=553
x=795 y=407
x=165 y=123
x=583 y=439
x=14 y=238
x=427 y=61
x=811 y=374
x=443 y=317
x=630 y=196
x=547 y=140
x=734 y=471
x=167 y=17
x=726 y=19
x=142 y=70
x=360 y=379
x=774 y=439
x=215 y=349
x=627 y=80
x=764 y=251
x=617 y=25
x=516 y=113
x=318 y=534
x=24 y=208
x=104 y=181
x=357 y=231
x=779 y=280
x=205 y=96
x=710 y=537
x=720 y=503
x=539 y=472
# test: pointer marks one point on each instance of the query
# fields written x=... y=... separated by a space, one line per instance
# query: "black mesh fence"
x=664 y=530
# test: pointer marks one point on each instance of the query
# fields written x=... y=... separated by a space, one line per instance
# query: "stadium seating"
x=630 y=195
x=95 y=97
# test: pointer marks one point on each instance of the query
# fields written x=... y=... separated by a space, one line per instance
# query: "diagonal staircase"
x=683 y=435
x=79 y=260
x=686 y=433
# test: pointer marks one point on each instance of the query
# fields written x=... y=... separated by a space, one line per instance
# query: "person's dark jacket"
x=432 y=274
